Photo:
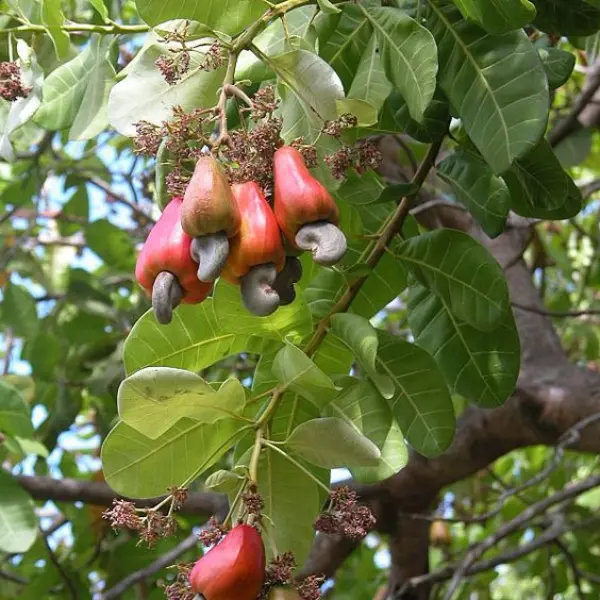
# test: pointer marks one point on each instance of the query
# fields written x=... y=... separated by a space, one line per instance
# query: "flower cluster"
x=362 y=157
x=180 y=588
x=212 y=533
x=152 y=526
x=336 y=127
x=345 y=516
x=253 y=501
x=11 y=86
x=174 y=67
x=280 y=572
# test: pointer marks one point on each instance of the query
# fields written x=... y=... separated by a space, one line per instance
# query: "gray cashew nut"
x=166 y=296
x=284 y=283
x=210 y=252
x=258 y=295
x=326 y=242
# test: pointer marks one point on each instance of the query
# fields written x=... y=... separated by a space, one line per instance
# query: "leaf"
x=365 y=409
x=193 y=340
x=422 y=404
x=145 y=95
x=226 y=16
x=298 y=373
x=496 y=84
x=224 y=482
x=408 y=54
x=274 y=41
x=100 y=8
x=23 y=109
x=15 y=418
x=345 y=46
x=18 y=523
x=330 y=442
x=482 y=368
x=111 y=244
x=314 y=86
x=476 y=187
x=574 y=149
x=462 y=272
x=540 y=188
x=161 y=196
x=558 y=64
x=53 y=18
x=44 y=353
x=370 y=82
x=396 y=117
x=78 y=206
x=361 y=337
x=571 y=18
x=365 y=113
x=31 y=447
x=498 y=16
x=139 y=467
x=153 y=399
x=19 y=310
x=291 y=321
x=75 y=94
x=327 y=7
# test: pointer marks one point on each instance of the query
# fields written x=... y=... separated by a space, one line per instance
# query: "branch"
x=167 y=559
x=567 y=126
x=61 y=571
x=557 y=313
x=99 y=493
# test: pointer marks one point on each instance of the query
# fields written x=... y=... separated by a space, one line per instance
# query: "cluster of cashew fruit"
x=218 y=230
x=234 y=569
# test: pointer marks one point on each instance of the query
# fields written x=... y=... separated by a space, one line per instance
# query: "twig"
x=515 y=524
x=572 y=565
x=557 y=313
x=12 y=577
x=61 y=571
x=167 y=559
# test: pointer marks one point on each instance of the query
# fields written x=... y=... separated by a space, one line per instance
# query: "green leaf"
x=370 y=82
x=313 y=89
x=345 y=46
x=100 y=8
x=558 y=64
x=274 y=41
x=196 y=89
x=361 y=337
x=396 y=117
x=152 y=400
x=75 y=94
x=496 y=84
x=361 y=405
x=18 y=523
x=111 y=243
x=298 y=373
x=196 y=339
x=408 y=54
x=575 y=148
x=462 y=272
x=498 y=16
x=19 y=310
x=44 y=354
x=224 y=482
x=22 y=110
x=540 y=187
x=475 y=185
x=327 y=7
x=572 y=18
x=362 y=110
x=31 y=447
x=291 y=321
x=225 y=16
x=138 y=467
x=161 y=195
x=288 y=522
x=330 y=442
x=15 y=418
x=333 y=357
x=480 y=367
x=77 y=206
x=53 y=19
x=422 y=404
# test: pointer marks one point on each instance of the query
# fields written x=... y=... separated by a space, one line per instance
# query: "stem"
x=115 y=28
x=253 y=468
x=235 y=502
x=391 y=228
x=271 y=407
x=297 y=464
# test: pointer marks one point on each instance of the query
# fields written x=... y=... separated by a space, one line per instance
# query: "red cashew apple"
x=256 y=253
x=306 y=212
x=165 y=268
x=234 y=569
x=210 y=216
